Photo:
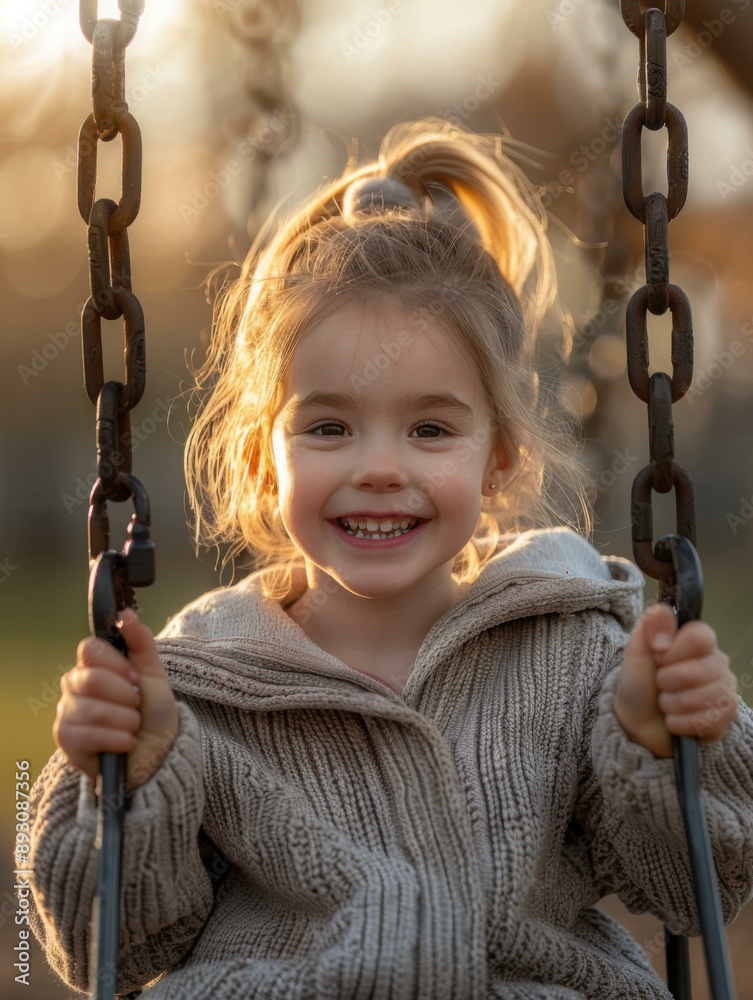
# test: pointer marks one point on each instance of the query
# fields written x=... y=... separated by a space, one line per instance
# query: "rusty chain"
x=673 y=561
x=264 y=28
x=655 y=211
x=113 y=572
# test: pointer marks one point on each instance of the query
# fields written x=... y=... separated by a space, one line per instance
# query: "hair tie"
x=371 y=195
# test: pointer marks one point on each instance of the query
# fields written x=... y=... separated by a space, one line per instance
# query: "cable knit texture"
x=445 y=843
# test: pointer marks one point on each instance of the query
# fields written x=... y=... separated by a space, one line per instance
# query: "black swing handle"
x=105 y=918
x=113 y=575
x=688 y=582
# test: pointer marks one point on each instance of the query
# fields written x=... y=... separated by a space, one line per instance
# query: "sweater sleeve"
x=633 y=827
x=166 y=894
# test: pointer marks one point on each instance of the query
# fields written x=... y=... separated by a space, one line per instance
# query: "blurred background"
x=243 y=105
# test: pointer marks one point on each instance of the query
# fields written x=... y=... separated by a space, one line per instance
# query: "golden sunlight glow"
x=35 y=33
x=31 y=220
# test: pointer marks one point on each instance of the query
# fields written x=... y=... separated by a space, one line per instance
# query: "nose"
x=379 y=468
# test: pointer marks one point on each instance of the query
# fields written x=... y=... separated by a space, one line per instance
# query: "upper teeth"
x=368 y=523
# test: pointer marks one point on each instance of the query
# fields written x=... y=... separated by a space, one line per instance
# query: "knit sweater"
x=448 y=842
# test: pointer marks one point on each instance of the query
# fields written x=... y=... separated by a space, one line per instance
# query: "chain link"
x=637 y=342
x=130 y=199
x=677 y=160
x=108 y=78
x=655 y=211
x=652 y=75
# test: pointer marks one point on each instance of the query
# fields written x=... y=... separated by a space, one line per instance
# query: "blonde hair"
x=472 y=238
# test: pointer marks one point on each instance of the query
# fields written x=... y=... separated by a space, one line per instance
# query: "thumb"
x=158 y=709
x=635 y=703
x=140 y=645
x=636 y=687
x=653 y=634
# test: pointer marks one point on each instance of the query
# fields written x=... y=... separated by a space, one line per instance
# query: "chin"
x=374 y=590
x=373 y=593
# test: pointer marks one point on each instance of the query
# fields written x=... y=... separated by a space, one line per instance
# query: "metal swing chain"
x=674 y=561
x=113 y=573
x=266 y=118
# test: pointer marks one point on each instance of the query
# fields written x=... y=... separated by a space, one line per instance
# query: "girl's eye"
x=430 y=430
x=327 y=430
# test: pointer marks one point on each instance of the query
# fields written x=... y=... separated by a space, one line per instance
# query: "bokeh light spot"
x=606 y=358
x=30 y=196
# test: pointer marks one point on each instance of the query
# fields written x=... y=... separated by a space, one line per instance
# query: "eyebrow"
x=422 y=401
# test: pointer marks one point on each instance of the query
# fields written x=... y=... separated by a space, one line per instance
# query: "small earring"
x=492 y=486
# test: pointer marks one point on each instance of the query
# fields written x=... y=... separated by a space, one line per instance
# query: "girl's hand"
x=111 y=703
x=673 y=682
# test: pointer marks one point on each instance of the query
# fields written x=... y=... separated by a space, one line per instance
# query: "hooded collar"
x=232 y=645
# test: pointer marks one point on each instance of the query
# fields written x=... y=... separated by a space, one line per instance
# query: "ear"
x=497 y=471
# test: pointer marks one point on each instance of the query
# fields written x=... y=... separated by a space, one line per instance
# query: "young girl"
x=407 y=755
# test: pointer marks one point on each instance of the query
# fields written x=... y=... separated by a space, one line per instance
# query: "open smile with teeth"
x=368 y=527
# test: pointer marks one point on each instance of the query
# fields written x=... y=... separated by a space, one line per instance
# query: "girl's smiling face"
x=383 y=424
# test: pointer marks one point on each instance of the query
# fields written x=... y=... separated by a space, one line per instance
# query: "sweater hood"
x=232 y=639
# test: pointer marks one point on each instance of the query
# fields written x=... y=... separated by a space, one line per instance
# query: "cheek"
x=301 y=481
x=294 y=502
x=464 y=468
x=461 y=489
x=294 y=465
